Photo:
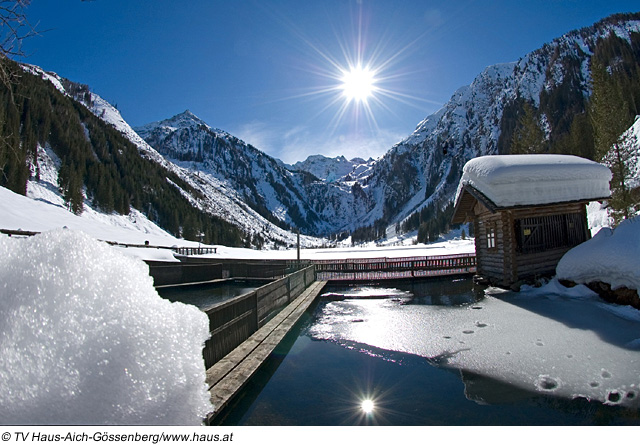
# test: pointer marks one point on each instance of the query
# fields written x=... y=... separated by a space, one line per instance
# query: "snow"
x=47 y=212
x=51 y=77
x=611 y=256
x=44 y=212
x=450 y=247
x=335 y=169
x=598 y=217
x=510 y=180
x=631 y=140
x=85 y=338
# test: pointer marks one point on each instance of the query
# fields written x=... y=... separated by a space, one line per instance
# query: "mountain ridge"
x=414 y=181
x=423 y=170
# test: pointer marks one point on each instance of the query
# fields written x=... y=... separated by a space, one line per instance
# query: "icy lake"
x=444 y=354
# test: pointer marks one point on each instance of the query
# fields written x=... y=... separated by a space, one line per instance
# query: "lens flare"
x=360 y=76
x=367 y=406
x=358 y=83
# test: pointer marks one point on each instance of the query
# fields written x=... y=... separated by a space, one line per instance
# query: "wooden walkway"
x=373 y=269
x=229 y=375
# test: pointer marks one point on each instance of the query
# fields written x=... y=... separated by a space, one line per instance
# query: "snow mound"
x=85 y=338
x=611 y=256
x=509 y=180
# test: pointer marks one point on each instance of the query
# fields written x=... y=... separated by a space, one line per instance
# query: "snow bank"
x=43 y=212
x=611 y=256
x=85 y=338
x=509 y=180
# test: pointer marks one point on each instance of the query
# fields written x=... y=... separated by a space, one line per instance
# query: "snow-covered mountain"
x=319 y=196
x=335 y=169
x=425 y=167
x=212 y=196
x=322 y=195
x=286 y=197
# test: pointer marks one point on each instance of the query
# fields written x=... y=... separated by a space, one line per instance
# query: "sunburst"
x=358 y=83
x=360 y=79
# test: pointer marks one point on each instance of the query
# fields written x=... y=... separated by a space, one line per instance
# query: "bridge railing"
x=395 y=268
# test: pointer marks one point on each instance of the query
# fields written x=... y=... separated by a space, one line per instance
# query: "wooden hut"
x=527 y=211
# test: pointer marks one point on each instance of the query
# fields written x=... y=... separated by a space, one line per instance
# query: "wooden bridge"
x=374 y=269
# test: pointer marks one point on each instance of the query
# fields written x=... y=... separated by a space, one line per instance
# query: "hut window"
x=541 y=233
x=491 y=236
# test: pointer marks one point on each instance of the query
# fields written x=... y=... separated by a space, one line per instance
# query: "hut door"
x=537 y=234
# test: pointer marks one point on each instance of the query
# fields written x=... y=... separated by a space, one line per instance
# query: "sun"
x=367 y=406
x=358 y=79
x=358 y=83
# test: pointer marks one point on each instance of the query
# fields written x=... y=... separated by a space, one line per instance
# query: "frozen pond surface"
x=206 y=295
x=448 y=356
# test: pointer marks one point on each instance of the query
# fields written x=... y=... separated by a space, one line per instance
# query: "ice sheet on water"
x=368 y=292
x=85 y=338
x=543 y=340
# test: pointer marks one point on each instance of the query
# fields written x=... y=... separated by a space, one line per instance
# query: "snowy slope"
x=216 y=197
x=631 y=138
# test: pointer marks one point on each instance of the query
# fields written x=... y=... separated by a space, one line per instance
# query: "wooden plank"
x=265 y=339
x=240 y=366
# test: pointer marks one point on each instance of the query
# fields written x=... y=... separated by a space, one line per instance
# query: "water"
x=206 y=295
x=360 y=360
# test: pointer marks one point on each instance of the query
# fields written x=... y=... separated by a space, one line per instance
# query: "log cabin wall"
x=526 y=243
x=564 y=226
x=492 y=246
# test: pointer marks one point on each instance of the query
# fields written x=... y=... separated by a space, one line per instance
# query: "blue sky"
x=269 y=71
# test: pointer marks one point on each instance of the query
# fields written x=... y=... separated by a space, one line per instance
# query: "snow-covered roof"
x=521 y=180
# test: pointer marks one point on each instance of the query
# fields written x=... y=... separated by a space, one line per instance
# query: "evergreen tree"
x=528 y=137
x=610 y=119
x=70 y=184
x=622 y=159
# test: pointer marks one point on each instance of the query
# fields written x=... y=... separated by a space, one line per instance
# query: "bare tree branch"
x=14 y=28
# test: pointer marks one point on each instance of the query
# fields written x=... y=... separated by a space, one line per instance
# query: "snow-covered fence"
x=195 y=250
x=233 y=321
x=17 y=232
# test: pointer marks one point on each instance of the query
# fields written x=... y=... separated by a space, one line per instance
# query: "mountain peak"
x=184 y=120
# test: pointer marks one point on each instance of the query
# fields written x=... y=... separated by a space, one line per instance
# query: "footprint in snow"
x=547 y=383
